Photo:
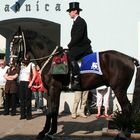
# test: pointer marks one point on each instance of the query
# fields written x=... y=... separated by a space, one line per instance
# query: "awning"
x=47 y=28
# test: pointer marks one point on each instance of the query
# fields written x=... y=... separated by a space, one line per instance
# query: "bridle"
x=21 y=47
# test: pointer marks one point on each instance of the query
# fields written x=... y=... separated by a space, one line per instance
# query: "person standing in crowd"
x=11 y=89
x=79 y=45
x=38 y=90
x=27 y=76
x=80 y=97
x=103 y=94
x=3 y=69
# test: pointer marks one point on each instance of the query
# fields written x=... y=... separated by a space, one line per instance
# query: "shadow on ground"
x=70 y=127
x=19 y=137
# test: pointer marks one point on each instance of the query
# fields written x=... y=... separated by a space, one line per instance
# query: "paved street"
x=90 y=128
x=11 y=128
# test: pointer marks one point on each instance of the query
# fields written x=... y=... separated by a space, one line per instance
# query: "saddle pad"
x=91 y=64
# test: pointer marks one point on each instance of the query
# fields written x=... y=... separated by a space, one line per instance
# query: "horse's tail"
x=136 y=95
x=136 y=62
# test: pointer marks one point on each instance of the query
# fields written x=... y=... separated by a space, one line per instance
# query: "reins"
x=41 y=58
x=45 y=57
x=24 y=45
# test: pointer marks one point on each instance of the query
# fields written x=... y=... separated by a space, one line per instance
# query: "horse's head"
x=17 y=47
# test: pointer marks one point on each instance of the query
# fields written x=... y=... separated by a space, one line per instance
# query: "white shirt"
x=2 y=73
x=101 y=87
x=75 y=18
x=25 y=72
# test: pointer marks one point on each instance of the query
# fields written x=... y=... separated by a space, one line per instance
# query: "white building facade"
x=112 y=24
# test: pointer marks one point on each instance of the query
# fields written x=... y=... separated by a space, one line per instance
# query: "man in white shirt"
x=3 y=69
x=80 y=97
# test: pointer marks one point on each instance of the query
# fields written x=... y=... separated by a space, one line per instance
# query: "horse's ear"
x=19 y=29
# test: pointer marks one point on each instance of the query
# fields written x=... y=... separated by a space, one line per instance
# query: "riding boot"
x=76 y=76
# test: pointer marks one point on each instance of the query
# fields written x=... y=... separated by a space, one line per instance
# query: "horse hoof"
x=40 y=136
x=120 y=138
x=51 y=133
x=48 y=137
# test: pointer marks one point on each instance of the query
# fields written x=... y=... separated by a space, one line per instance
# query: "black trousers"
x=75 y=67
x=10 y=102
x=76 y=54
x=25 y=96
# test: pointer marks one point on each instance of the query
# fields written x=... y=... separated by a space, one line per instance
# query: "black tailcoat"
x=79 y=45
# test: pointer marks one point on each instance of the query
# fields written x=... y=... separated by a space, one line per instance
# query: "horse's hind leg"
x=136 y=95
x=126 y=108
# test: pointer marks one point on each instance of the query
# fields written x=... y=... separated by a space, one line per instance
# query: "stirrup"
x=76 y=86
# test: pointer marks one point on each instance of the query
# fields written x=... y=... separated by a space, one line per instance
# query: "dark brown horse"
x=117 y=69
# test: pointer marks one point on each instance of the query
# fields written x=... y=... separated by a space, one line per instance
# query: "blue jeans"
x=38 y=99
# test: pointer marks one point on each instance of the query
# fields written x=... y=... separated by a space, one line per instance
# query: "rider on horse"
x=79 y=45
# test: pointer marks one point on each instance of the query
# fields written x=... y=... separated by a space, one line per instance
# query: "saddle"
x=60 y=64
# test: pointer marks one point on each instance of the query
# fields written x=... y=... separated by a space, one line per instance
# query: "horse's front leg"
x=54 y=125
x=46 y=128
x=53 y=108
x=51 y=117
x=55 y=91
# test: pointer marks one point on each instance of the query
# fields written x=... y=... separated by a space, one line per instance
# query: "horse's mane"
x=30 y=35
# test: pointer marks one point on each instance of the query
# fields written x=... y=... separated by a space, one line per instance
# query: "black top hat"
x=74 y=6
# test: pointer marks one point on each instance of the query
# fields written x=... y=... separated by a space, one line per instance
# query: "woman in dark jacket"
x=79 y=45
x=11 y=89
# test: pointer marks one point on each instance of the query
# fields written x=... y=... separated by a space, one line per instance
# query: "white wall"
x=112 y=24
x=2 y=44
x=139 y=40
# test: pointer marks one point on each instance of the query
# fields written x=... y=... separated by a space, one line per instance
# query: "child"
x=38 y=90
